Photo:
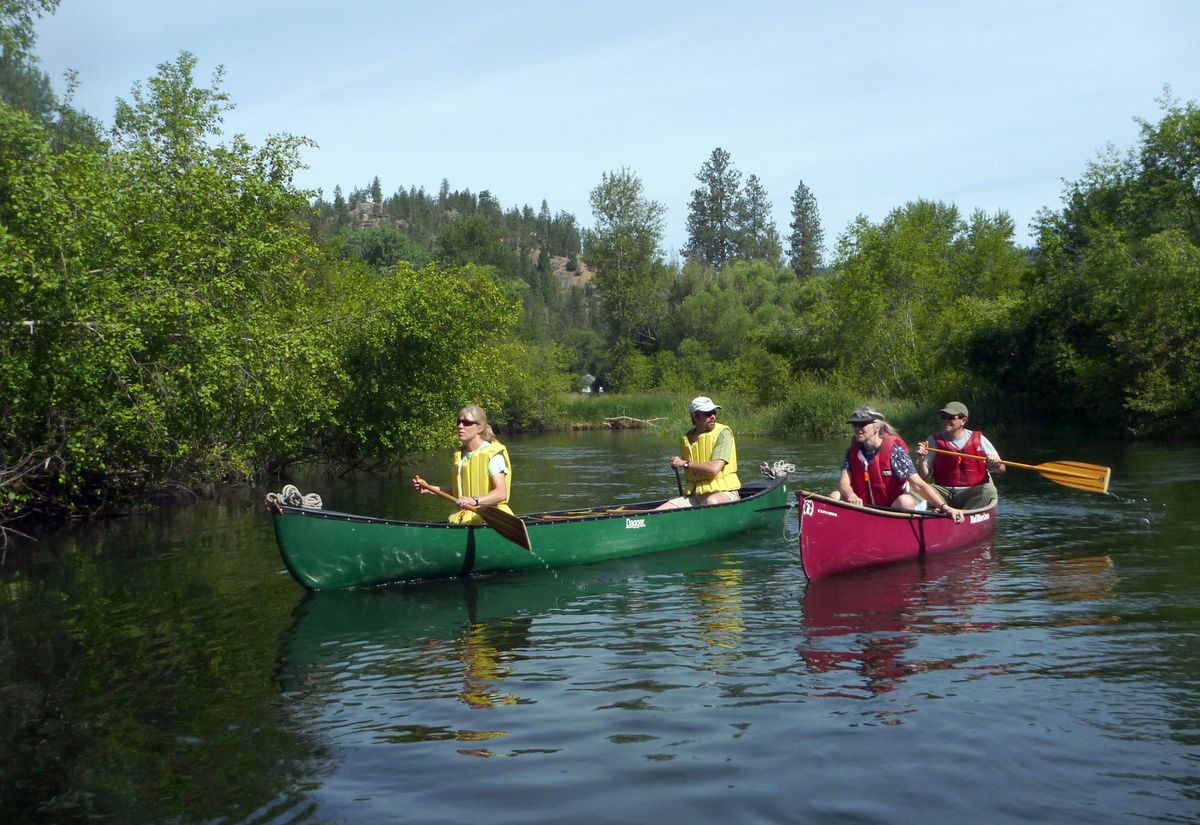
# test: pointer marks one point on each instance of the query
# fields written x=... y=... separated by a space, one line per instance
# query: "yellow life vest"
x=701 y=451
x=473 y=480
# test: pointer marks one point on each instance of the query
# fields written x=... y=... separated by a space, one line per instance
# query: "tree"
x=757 y=237
x=807 y=238
x=623 y=250
x=376 y=190
x=17 y=20
x=712 y=221
x=1108 y=326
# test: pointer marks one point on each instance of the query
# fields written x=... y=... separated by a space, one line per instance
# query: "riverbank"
x=811 y=413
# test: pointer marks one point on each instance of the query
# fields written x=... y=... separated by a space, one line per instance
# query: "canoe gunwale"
x=534 y=520
x=888 y=512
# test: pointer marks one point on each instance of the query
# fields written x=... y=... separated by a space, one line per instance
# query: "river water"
x=166 y=668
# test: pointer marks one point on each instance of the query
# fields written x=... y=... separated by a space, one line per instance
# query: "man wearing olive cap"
x=964 y=482
x=708 y=459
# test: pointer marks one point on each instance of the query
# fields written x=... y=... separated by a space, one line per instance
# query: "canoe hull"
x=325 y=550
x=836 y=537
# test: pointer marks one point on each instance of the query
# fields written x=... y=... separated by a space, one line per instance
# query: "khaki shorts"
x=721 y=497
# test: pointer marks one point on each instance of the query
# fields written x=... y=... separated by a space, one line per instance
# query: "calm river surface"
x=166 y=668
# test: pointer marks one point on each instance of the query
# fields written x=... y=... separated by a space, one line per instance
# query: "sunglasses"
x=946 y=417
x=466 y=422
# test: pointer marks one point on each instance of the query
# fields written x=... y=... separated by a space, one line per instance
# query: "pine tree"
x=807 y=238
x=713 y=211
x=757 y=237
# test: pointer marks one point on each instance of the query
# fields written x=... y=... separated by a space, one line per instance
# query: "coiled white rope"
x=779 y=469
x=292 y=497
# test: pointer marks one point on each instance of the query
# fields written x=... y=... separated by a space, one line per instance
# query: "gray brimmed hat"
x=955 y=408
x=865 y=415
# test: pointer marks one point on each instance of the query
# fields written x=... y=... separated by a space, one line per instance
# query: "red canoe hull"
x=836 y=537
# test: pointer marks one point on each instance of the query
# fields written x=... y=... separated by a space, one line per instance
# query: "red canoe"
x=836 y=537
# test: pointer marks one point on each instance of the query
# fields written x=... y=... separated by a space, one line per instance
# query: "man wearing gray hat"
x=708 y=458
x=878 y=470
x=964 y=482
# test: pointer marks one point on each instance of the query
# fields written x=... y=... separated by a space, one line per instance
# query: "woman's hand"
x=922 y=449
x=422 y=486
x=953 y=512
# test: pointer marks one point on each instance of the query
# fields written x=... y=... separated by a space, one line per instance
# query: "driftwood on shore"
x=625 y=422
x=617 y=422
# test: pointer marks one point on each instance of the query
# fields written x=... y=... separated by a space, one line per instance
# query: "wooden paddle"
x=506 y=524
x=1090 y=477
x=678 y=481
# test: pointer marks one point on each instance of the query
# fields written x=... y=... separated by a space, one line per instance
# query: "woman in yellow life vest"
x=482 y=469
x=708 y=458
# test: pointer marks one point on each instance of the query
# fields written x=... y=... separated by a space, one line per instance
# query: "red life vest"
x=954 y=470
x=875 y=483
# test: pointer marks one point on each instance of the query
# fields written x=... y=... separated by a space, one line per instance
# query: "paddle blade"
x=1076 y=474
x=506 y=524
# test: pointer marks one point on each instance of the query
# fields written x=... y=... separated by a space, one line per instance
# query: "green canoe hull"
x=326 y=550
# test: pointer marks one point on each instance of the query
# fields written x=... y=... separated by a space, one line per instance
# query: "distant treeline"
x=174 y=310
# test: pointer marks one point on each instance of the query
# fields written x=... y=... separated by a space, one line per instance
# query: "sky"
x=870 y=103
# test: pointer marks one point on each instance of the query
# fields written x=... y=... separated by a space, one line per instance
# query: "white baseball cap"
x=704 y=404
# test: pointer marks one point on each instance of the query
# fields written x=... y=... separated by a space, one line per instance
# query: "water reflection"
x=408 y=649
x=862 y=629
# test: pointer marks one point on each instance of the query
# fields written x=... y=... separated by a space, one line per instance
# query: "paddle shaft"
x=506 y=524
x=678 y=481
x=1008 y=463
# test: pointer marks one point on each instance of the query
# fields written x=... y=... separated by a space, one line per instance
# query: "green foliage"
x=713 y=211
x=1106 y=328
x=807 y=238
x=758 y=239
x=414 y=346
x=816 y=409
x=534 y=385
x=17 y=21
x=166 y=317
x=631 y=371
x=623 y=249
x=891 y=317
x=382 y=246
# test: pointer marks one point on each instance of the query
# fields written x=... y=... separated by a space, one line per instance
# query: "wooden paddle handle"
x=425 y=485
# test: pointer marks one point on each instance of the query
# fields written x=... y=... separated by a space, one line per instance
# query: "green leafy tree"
x=623 y=250
x=712 y=221
x=383 y=246
x=1106 y=328
x=17 y=21
x=807 y=238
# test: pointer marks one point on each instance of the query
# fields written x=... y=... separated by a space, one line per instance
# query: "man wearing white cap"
x=708 y=458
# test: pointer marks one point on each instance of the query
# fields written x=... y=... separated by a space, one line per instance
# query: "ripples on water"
x=1050 y=676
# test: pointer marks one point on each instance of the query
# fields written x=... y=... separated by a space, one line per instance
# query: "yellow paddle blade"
x=1076 y=474
x=1091 y=477
x=506 y=524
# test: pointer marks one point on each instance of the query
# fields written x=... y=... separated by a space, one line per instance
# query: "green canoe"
x=325 y=550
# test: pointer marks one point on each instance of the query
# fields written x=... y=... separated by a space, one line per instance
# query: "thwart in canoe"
x=837 y=537
x=325 y=550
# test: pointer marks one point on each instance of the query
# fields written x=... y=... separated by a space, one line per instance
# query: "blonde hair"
x=476 y=413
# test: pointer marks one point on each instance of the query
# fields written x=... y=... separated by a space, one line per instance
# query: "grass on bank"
x=807 y=412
